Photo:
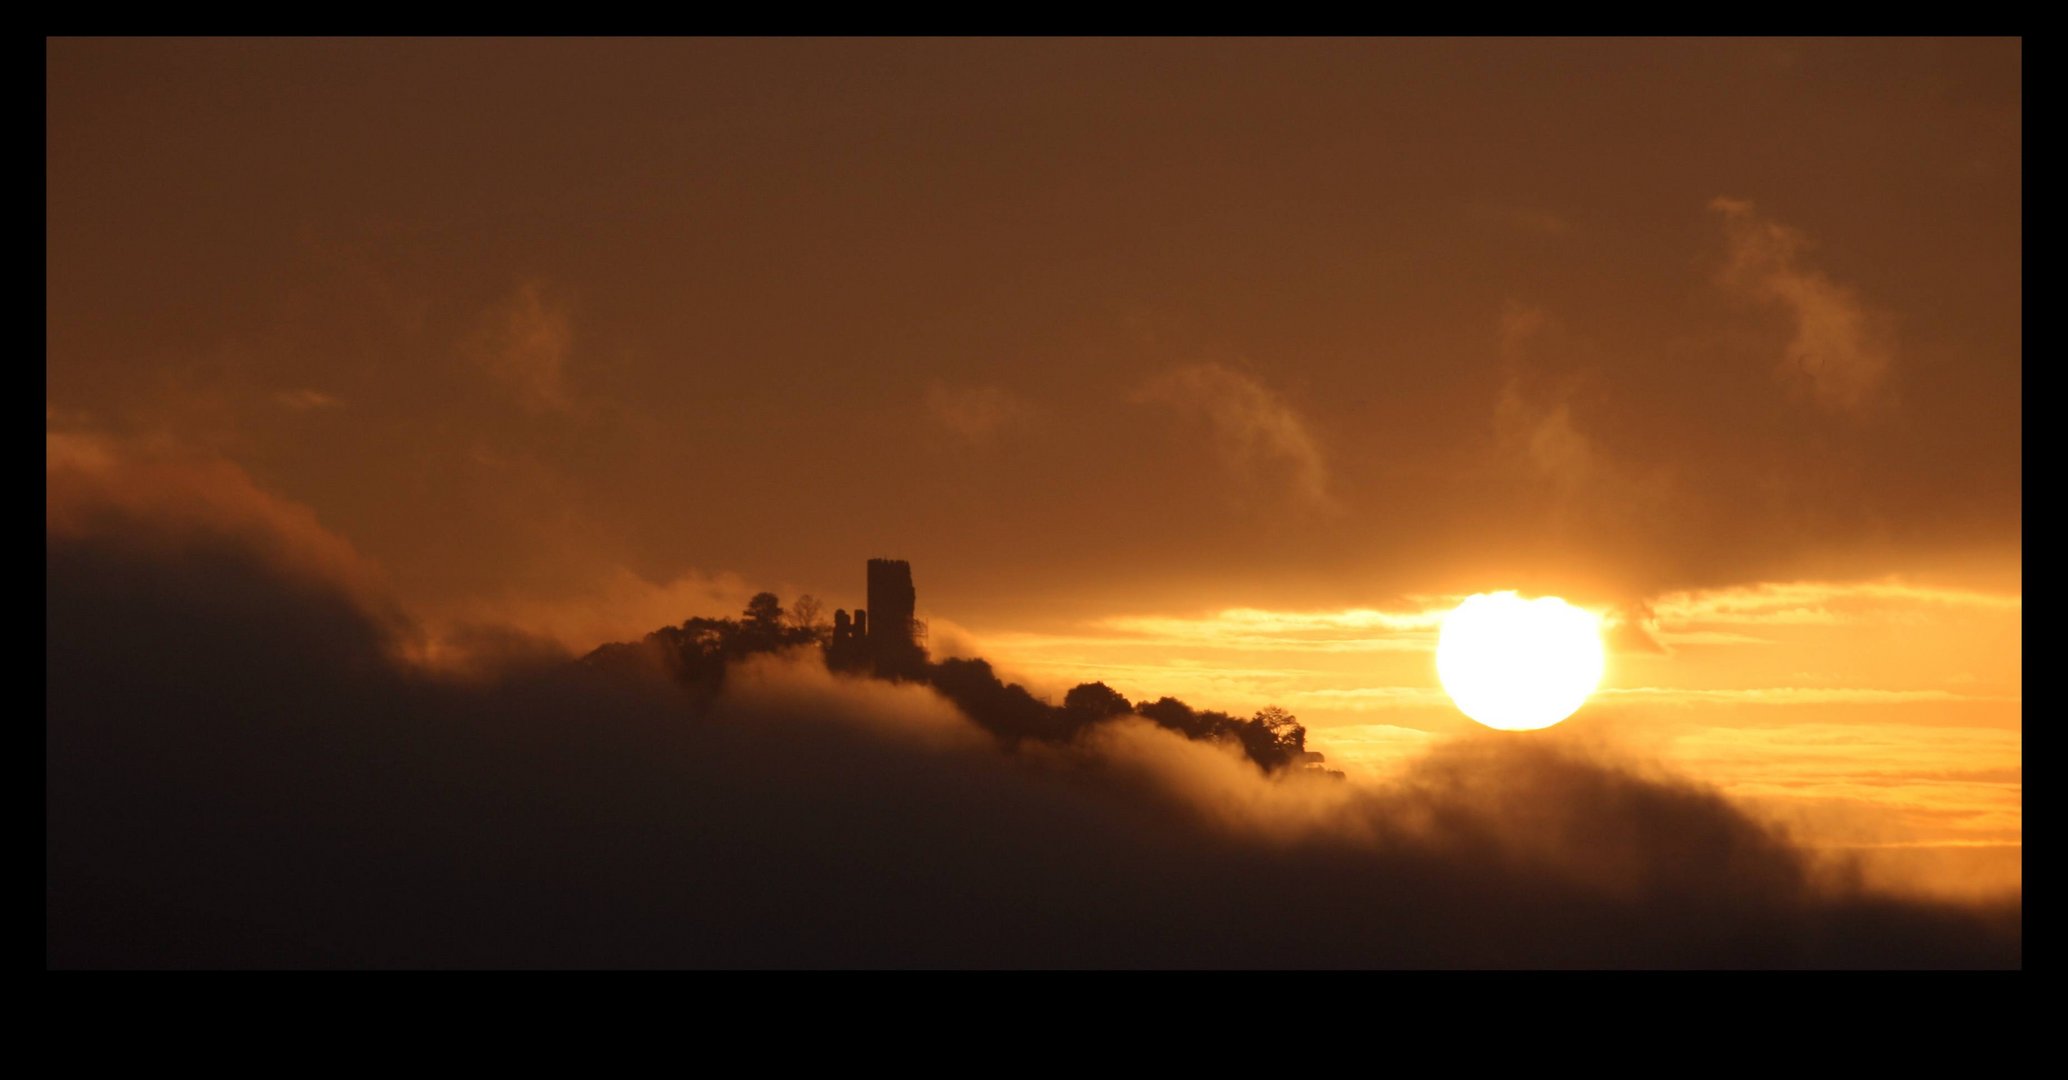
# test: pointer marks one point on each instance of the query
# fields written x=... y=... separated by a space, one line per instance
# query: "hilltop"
x=884 y=641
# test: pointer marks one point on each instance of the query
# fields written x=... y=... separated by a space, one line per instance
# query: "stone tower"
x=892 y=632
x=883 y=637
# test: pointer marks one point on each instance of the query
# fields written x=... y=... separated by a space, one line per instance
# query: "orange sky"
x=1205 y=367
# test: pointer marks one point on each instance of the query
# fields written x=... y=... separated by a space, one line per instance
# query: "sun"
x=1519 y=665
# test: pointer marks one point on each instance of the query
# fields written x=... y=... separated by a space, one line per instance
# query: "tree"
x=1284 y=728
x=804 y=613
x=764 y=613
x=1095 y=700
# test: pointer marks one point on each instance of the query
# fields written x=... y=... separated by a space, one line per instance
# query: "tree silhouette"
x=1283 y=727
x=764 y=613
x=1176 y=715
x=1095 y=701
x=804 y=613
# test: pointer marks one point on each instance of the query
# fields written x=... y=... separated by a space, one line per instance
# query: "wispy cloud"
x=608 y=603
x=1842 y=349
x=1257 y=431
x=524 y=344
x=1537 y=426
x=976 y=413
x=1363 y=628
x=1787 y=695
x=307 y=400
x=1361 y=698
x=1812 y=603
x=1380 y=698
x=1634 y=628
x=183 y=491
x=1355 y=630
x=194 y=496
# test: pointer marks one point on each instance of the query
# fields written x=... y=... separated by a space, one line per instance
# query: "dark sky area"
x=1074 y=325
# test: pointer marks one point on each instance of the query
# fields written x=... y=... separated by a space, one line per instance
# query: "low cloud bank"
x=244 y=770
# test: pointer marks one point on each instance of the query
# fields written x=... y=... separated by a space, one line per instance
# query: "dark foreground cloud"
x=241 y=772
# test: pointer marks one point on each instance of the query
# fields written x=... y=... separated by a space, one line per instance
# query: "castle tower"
x=892 y=632
x=891 y=599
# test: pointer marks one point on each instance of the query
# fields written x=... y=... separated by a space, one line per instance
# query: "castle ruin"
x=884 y=637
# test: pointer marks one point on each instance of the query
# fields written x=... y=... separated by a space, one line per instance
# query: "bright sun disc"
x=1517 y=664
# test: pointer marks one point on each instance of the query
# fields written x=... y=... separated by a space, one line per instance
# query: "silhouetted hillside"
x=697 y=653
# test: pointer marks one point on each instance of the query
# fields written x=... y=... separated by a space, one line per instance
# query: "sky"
x=1218 y=368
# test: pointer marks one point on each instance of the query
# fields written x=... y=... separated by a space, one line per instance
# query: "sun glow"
x=1519 y=665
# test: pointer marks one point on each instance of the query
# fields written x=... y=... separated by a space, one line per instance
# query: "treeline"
x=697 y=653
x=1272 y=738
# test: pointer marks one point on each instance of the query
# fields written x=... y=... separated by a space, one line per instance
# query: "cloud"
x=1352 y=630
x=1366 y=698
x=1842 y=350
x=948 y=639
x=177 y=495
x=239 y=773
x=1816 y=603
x=1544 y=436
x=1256 y=431
x=1584 y=493
x=1634 y=628
x=1535 y=424
x=609 y=603
x=1246 y=657
x=173 y=494
x=976 y=413
x=1789 y=695
x=1878 y=791
x=307 y=400
x=523 y=344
